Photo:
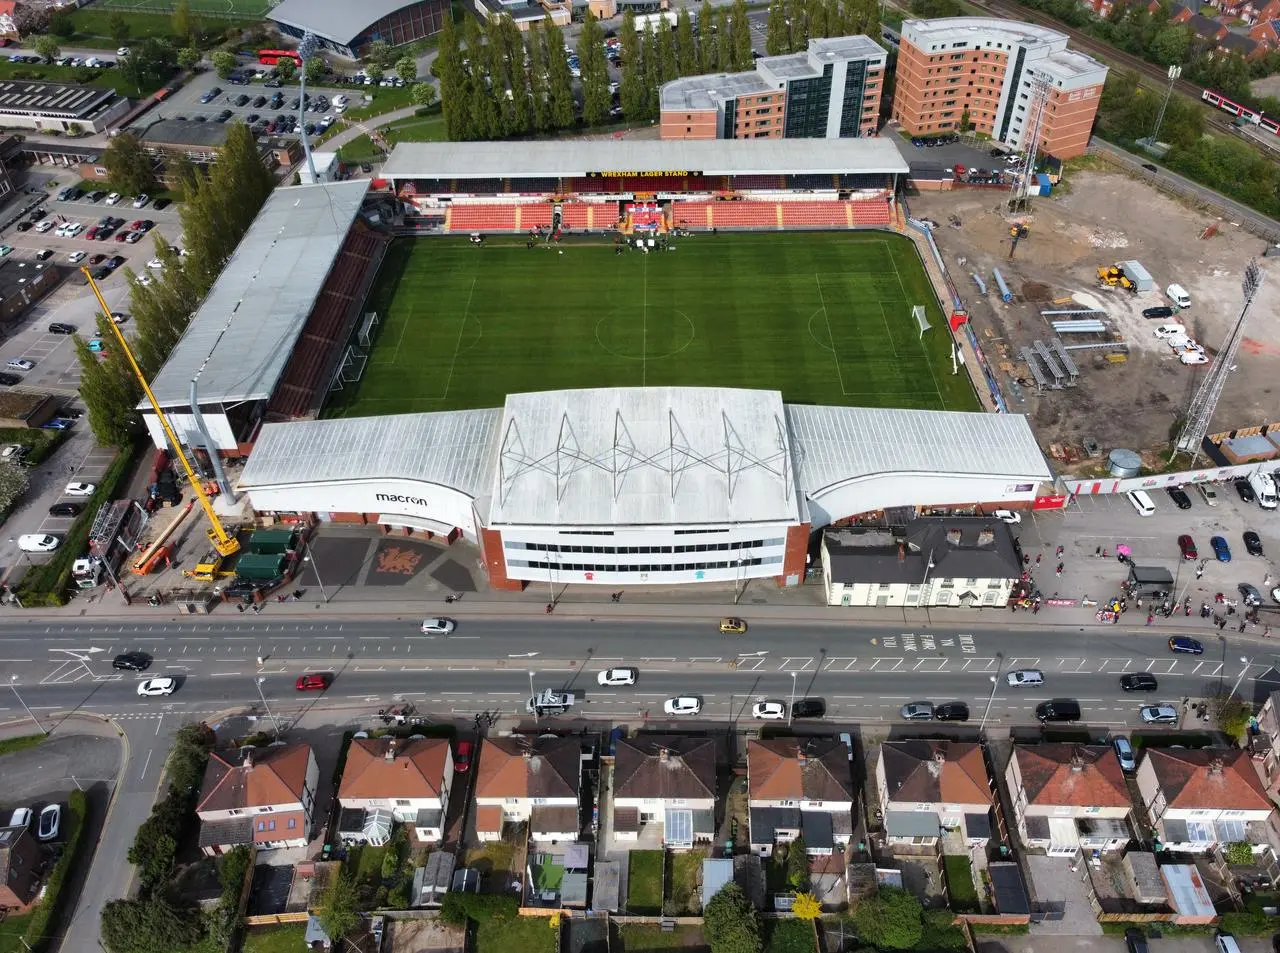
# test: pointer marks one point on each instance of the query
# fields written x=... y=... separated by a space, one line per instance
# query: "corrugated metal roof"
x=253 y=314
x=578 y=157
x=449 y=449
x=643 y=456
x=338 y=20
x=834 y=445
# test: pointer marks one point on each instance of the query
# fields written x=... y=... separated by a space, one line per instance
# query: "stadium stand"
x=482 y=218
x=772 y=183
x=745 y=215
x=535 y=216
x=329 y=324
x=872 y=212
x=815 y=214
x=575 y=215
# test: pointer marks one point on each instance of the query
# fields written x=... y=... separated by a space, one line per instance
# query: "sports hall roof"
x=564 y=157
x=241 y=338
x=835 y=445
x=339 y=20
x=643 y=456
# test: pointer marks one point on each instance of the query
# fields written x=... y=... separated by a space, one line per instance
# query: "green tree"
x=871 y=21
x=596 y=98
x=131 y=170
x=224 y=63
x=313 y=67
x=286 y=69
x=110 y=393
x=118 y=27
x=1238 y=852
x=338 y=909
x=890 y=920
x=485 y=117
x=740 y=31
x=652 y=60
x=422 y=94
x=539 y=90
x=706 y=38
x=561 y=80
x=667 y=68
x=798 y=865
x=188 y=57
x=149 y=926
x=381 y=53
x=686 y=45
x=47 y=48
x=1169 y=46
x=407 y=68
x=375 y=72
x=729 y=922
x=724 y=40
x=61 y=25
x=448 y=69
x=776 y=40
x=632 y=94
x=180 y=19
x=150 y=61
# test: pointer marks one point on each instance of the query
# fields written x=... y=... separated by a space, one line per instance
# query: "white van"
x=1141 y=502
x=1264 y=488
x=1178 y=295
x=1226 y=943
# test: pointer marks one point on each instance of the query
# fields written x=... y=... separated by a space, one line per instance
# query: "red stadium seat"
x=482 y=218
x=815 y=214
x=744 y=214
x=872 y=212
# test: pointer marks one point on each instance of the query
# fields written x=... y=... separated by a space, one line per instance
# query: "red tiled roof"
x=816 y=769
x=936 y=772
x=529 y=767
x=1078 y=775
x=414 y=770
x=264 y=777
x=1208 y=778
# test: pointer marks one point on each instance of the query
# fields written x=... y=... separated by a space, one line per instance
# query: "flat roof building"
x=347 y=28
x=829 y=91
x=59 y=106
x=990 y=73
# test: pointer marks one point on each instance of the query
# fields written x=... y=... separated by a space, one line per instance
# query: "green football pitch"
x=235 y=9
x=824 y=318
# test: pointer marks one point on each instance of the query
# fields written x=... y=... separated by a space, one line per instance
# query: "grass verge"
x=77 y=76
x=522 y=934
x=961 y=892
x=286 y=938
x=21 y=743
x=644 y=882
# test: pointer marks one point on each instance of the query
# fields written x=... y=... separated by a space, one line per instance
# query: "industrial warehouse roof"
x=62 y=100
x=473 y=160
x=643 y=456
x=449 y=449
x=247 y=326
x=835 y=445
x=339 y=20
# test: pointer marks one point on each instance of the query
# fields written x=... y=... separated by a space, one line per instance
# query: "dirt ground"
x=1100 y=218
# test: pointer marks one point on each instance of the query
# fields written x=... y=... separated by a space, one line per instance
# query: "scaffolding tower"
x=1019 y=198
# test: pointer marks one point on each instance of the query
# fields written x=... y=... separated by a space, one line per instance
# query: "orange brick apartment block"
x=991 y=68
x=831 y=90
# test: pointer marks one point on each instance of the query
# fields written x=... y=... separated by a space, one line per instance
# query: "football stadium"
x=697 y=353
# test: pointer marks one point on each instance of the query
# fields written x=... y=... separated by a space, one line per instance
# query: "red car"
x=462 y=763
x=315 y=682
x=121 y=236
x=136 y=225
x=1188 y=547
x=97 y=259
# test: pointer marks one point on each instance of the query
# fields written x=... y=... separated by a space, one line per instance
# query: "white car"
x=144 y=280
x=1193 y=357
x=155 y=264
x=1171 y=331
x=617 y=676
x=1025 y=676
x=438 y=626
x=769 y=710
x=50 y=821
x=123 y=51
x=141 y=200
x=684 y=705
x=20 y=817
x=44 y=226
x=38 y=543
x=76 y=257
x=21 y=364
x=114 y=198
x=79 y=489
x=156 y=686
x=1183 y=344
x=1007 y=516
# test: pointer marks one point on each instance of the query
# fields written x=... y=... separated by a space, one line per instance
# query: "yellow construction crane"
x=224 y=544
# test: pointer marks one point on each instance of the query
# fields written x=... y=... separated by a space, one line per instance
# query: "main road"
x=864 y=673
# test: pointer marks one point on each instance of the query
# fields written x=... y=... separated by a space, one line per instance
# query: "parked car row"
x=48 y=825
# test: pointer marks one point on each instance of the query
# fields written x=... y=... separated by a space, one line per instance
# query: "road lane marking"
x=144 y=766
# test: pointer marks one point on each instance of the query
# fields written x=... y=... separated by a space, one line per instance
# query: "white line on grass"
x=457 y=345
x=644 y=325
x=942 y=404
x=830 y=334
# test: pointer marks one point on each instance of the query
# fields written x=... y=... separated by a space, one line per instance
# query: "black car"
x=8 y=380
x=59 y=328
x=259 y=102
x=97 y=195
x=1180 y=499
x=1149 y=167
x=24 y=226
x=366 y=168
x=1161 y=312
x=808 y=708
x=252 y=118
x=951 y=711
x=1252 y=543
x=1059 y=709
x=132 y=662
x=44 y=254
x=241 y=100
x=114 y=262
x=222 y=116
x=1135 y=940
x=37 y=215
x=1245 y=491
x=66 y=509
x=1139 y=682
x=160 y=203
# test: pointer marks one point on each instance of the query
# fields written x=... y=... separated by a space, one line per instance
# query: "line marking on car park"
x=850 y=662
x=897 y=663
x=941 y=664
x=1153 y=662
x=786 y=665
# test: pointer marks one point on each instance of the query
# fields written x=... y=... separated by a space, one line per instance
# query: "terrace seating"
x=771 y=183
x=871 y=212
x=691 y=214
x=535 y=216
x=482 y=218
x=575 y=215
x=815 y=214
x=745 y=215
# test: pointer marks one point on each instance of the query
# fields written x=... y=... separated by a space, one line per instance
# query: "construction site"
x=1057 y=293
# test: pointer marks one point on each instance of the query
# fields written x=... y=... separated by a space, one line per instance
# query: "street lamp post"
x=1244 y=669
x=316 y=568
x=532 y=695
x=13 y=684
x=275 y=721
x=791 y=707
x=995 y=683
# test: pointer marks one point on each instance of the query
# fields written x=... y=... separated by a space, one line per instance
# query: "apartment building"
x=989 y=72
x=829 y=91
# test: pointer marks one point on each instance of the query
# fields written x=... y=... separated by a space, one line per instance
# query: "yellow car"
x=733 y=626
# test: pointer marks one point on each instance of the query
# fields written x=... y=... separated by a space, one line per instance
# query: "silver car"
x=917 y=711
x=1124 y=752
x=1159 y=714
x=438 y=626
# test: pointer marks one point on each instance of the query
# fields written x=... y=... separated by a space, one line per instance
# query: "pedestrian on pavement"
x=1098 y=551
x=1060 y=551
x=1222 y=624
x=1037 y=559
x=1200 y=572
x=1150 y=618
x=1035 y=608
x=1266 y=632
x=1059 y=570
x=1242 y=625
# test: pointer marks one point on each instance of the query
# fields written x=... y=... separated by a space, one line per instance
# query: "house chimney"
x=1077 y=761
x=248 y=759
x=663 y=754
x=391 y=750
x=953 y=537
x=1215 y=766
x=940 y=756
x=902 y=552
x=986 y=537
